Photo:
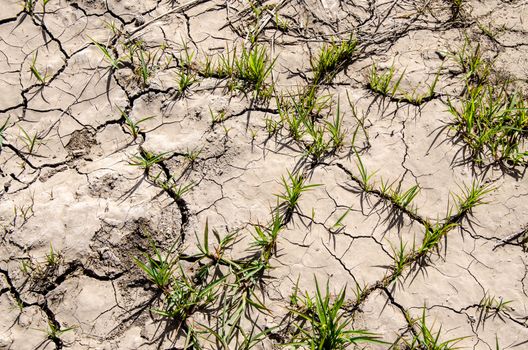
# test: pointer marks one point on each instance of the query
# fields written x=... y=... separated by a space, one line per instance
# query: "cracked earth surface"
x=73 y=193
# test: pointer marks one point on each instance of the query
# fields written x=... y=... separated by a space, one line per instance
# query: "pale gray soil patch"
x=128 y=128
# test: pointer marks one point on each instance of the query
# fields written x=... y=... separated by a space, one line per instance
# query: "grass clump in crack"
x=387 y=84
x=31 y=141
x=322 y=323
x=425 y=338
x=41 y=77
x=157 y=267
x=491 y=306
x=55 y=331
x=491 y=118
x=294 y=186
x=186 y=77
x=247 y=71
x=109 y=56
x=471 y=196
x=383 y=83
x=493 y=124
x=133 y=125
x=147 y=160
x=332 y=58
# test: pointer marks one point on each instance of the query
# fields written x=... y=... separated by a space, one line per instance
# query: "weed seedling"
x=417 y=99
x=492 y=124
x=29 y=6
x=456 y=8
x=144 y=69
x=30 y=141
x=44 y=3
x=318 y=147
x=131 y=125
x=184 y=297
x=36 y=73
x=228 y=334
x=272 y=126
x=3 y=128
x=253 y=67
x=216 y=253
x=364 y=175
x=424 y=338
x=294 y=186
x=158 y=267
x=331 y=59
x=178 y=191
x=193 y=154
x=491 y=306
x=433 y=234
x=26 y=210
x=146 y=159
x=400 y=258
x=226 y=64
x=185 y=79
x=471 y=196
x=323 y=324
x=207 y=68
x=339 y=223
x=404 y=199
x=335 y=129
x=382 y=83
x=53 y=258
x=265 y=238
x=281 y=23
x=54 y=332
x=472 y=63
x=218 y=117
x=115 y=63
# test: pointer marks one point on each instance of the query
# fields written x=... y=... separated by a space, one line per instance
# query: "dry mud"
x=74 y=212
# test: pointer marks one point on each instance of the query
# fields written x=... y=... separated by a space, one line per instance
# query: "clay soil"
x=106 y=159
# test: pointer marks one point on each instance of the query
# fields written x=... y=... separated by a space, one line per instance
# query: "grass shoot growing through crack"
x=471 y=196
x=115 y=62
x=176 y=190
x=472 y=63
x=146 y=159
x=30 y=141
x=251 y=68
x=265 y=238
x=29 y=6
x=185 y=79
x=185 y=297
x=404 y=199
x=323 y=325
x=365 y=177
x=144 y=70
x=331 y=59
x=432 y=236
x=54 y=332
x=426 y=338
x=293 y=187
x=493 y=124
x=382 y=83
x=400 y=258
x=3 y=128
x=339 y=222
x=132 y=125
x=41 y=77
x=491 y=306
x=335 y=129
x=157 y=267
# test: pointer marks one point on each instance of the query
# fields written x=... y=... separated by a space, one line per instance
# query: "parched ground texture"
x=104 y=158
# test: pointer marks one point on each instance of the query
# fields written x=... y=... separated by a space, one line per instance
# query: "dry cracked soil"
x=191 y=174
